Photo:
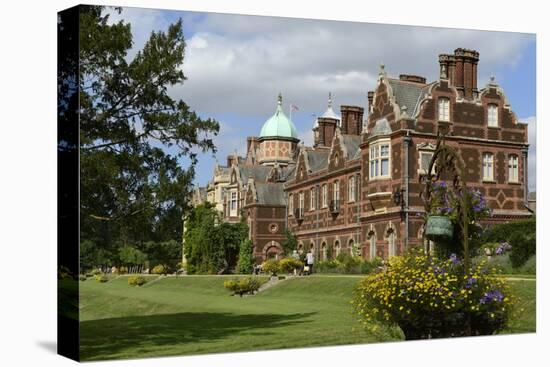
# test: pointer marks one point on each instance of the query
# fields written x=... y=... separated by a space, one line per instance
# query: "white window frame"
x=492 y=115
x=352 y=191
x=513 y=168
x=336 y=190
x=444 y=108
x=312 y=197
x=324 y=196
x=391 y=244
x=301 y=200
x=372 y=246
x=376 y=158
x=233 y=204
x=291 y=204
x=488 y=165
x=422 y=170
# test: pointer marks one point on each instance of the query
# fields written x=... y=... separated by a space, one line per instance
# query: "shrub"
x=82 y=277
x=246 y=285
x=288 y=264
x=159 y=269
x=431 y=298
x=330 y=266
x=121 y=270
x=271 y=266
x=369 y=266
x=245 y=264
x=530 y=266
x=136 y=280
x=523 y=247
x=94 y=272
x=101 y=278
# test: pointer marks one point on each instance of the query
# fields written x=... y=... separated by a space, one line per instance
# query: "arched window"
x=391 y=243
x=372 y=240
x=337 y=247
x=324 y=251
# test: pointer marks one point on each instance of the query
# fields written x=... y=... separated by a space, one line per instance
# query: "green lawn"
x=195 y=314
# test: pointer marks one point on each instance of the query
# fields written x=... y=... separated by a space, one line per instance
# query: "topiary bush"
x=246 y=285
x=271 y=266
x=289 y=264
x=245 y=264
x=136 y=280
x=432 y=298
x=159 y=269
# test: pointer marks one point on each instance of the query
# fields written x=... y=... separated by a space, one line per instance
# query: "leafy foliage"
x=212 y=247
x=131 y=256
x=159 y=269
x=245 y=264
x=289 y=264
x=290 y=243
x=271 y=266
x=132 y=136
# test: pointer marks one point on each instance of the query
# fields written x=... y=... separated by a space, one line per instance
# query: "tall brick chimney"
x=326 y=129
x=352 y=119
x=460 y=69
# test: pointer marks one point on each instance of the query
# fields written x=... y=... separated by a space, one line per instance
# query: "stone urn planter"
x=438 y=228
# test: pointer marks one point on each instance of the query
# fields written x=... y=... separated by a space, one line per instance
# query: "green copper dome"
x=279 y=125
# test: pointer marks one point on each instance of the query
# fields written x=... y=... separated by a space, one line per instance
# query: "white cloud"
x=236 y=65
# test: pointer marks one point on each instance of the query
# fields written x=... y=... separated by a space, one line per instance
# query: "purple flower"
x=454 y=259
x=491 y=296
x=470 y=282
x=499 y=250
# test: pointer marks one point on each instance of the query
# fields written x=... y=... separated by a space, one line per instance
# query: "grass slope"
x=194 y=314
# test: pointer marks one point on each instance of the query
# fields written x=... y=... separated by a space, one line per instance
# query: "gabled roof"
x=408 y=94
x=258 y=173
x=381 y=127
x=317 y=159
x=270 y=193
x=351 y=142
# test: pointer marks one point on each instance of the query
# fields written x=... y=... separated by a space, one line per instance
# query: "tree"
x=245 y=264
x=133 y=133
x=131 y=256
x=211 y=246
x=290 y=243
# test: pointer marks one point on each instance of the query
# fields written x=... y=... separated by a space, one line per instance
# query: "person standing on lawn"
x=309 y=261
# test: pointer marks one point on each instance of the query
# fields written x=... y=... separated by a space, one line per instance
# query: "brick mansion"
x=357 y=189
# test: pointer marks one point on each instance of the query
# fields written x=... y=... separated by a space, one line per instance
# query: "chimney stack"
x=352 y=119
x=326 y=129
x=460 y=69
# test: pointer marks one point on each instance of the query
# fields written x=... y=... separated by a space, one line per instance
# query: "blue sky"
x=236 y=65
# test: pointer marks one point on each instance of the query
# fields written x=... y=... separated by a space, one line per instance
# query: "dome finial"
x=280 y=99
x=329 y=99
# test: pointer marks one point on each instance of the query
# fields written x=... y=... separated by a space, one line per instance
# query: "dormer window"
x=492 y=115
x=444 y=109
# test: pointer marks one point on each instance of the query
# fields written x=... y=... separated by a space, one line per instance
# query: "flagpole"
x=290 y=112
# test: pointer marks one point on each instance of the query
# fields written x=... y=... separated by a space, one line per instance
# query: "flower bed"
x=431 y=298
